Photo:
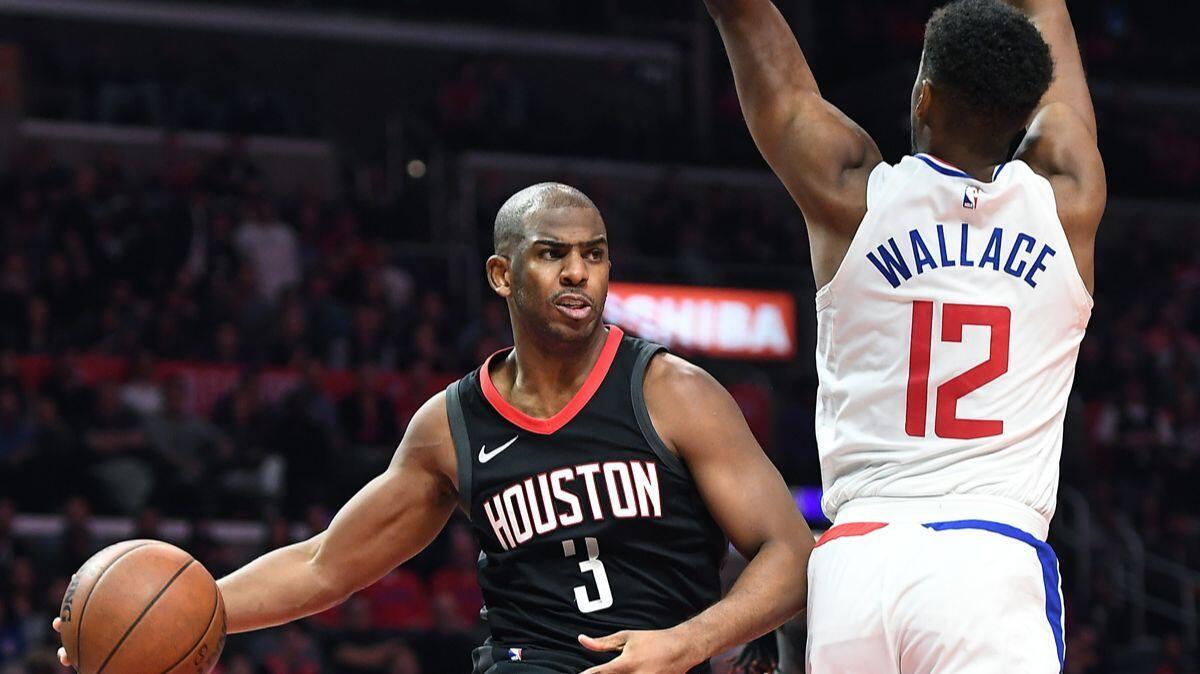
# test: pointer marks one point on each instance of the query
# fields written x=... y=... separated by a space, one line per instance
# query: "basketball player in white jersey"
x=954 y=292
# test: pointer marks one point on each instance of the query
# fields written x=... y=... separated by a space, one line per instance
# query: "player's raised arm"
x=1069 y=87
x=391 y=519
x=749 y=501
x=822 y=157
x=1061 y=142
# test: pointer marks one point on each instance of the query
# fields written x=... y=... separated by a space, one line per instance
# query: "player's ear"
x=924 y=99
x=499 y=275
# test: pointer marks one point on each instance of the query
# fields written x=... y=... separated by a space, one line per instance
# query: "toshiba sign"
x=716 y=321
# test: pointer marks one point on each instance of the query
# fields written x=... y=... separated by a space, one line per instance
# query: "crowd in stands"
x=143 y=273
x=616 y=107
x=1120 y=38
x=119 y=291
x=1135 y=453
x=420 y=618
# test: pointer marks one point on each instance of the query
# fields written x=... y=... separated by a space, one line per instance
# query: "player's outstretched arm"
x=822 y=157
x=1069 y=88
x=751 y=504
x=1061 y=142
x=391 y=519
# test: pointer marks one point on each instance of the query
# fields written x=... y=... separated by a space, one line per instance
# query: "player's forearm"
x=768 y=64
x=279 y=587
x=1070 y=81
x=771 y=589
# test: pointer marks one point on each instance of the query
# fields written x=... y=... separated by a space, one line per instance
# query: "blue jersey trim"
x=946 y=171
x=998 y=170
x=1046 y=557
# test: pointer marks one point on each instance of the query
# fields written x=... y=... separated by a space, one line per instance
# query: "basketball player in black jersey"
x=601 y=475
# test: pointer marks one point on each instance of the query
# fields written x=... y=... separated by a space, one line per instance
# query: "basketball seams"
x=92 y=591
x=203 y=632
x=145 y=610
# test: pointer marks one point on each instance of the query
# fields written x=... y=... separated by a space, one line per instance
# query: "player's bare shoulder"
x=668 y=377
x=684 y=400
x=428 y=442
x=1060 y=146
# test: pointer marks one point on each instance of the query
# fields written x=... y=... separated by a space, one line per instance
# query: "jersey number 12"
x=947 y=423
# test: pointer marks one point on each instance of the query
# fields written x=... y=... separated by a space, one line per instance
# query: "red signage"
x=719 y=322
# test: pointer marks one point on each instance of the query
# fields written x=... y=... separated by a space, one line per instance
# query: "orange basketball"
x=143 y=607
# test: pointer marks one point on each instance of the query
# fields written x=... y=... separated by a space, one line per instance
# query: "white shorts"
x=948 y=597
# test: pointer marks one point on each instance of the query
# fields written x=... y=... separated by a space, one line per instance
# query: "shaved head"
x=509 y=230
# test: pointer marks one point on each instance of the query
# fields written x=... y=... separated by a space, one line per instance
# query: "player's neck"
x=540 y=378
x=974 y=161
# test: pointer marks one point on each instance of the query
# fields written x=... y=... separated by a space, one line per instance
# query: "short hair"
x=510 y=220
x=990 y=59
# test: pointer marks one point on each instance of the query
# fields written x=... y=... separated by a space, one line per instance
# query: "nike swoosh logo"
x=485 y=456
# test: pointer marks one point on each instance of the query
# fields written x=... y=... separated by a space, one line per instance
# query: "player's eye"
x=595 y=254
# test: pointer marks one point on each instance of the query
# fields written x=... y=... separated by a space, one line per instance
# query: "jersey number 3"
x=594 y=566
x=947 y=423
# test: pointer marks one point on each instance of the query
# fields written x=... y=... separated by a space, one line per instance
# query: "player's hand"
x=645 y=652
x=62 y=652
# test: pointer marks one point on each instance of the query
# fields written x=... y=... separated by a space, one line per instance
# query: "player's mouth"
x=574 y=306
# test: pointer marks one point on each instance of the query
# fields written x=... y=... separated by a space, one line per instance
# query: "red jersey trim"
x=849 y=529
x=573 y=406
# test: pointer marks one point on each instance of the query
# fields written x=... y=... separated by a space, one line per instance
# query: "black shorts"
x=495 y=659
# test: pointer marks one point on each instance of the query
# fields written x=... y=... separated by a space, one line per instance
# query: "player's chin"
x=569 y=328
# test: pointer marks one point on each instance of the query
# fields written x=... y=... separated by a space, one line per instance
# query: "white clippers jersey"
x=947 y=339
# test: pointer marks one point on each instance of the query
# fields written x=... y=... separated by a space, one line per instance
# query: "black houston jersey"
x=588 y=524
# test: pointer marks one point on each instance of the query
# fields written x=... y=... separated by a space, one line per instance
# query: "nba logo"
x=971 y=197
x=514 y=654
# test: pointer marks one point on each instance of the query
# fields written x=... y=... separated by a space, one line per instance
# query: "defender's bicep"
x=823 y=158
x=1060 y=147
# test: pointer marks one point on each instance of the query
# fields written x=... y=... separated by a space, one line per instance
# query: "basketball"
x=143 y=607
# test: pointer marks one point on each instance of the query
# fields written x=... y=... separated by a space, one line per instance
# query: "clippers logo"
x=971 y=198
x=514 y=653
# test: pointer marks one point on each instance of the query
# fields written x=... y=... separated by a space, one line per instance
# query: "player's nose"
x=574 y=270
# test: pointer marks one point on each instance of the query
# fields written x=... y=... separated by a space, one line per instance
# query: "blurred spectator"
x=454 y=586
x=487 y=334
x=239 y=663
x=298 y=655
x=141 y=391
x=269 y=247
x=361 y=647
x=72 y=395
x=232 y=171
x=367 y=417
x=76 y=543
x=405 y=661
x=117 y=452
x=400 y=601
x=12 y=639
x=248 y=473
x=16 y=438
x=9 y=548
x=183 y=442
x=369 y=341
